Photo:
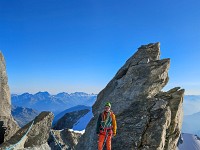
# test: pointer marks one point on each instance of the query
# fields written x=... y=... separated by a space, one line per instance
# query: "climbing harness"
x=106 y=121
x=55 y=139
x=13 y=146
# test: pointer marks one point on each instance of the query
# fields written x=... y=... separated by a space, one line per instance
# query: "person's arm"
x=98 y=124
x=114 y=124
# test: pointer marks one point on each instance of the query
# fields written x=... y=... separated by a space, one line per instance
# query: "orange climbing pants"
x=102 y=137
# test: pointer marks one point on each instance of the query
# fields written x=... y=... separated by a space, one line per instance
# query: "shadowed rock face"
x=5 y=104
x=37 y=136
x=147 y=118
x=23 y=115
x=70 y=119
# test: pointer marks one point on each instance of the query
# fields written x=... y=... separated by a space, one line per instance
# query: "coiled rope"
x=13 y=146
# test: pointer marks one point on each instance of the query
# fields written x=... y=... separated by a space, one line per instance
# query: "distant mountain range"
x=43 y=101
x=23 y=115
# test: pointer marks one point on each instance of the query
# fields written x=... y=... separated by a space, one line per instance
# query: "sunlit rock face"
x=5 y=104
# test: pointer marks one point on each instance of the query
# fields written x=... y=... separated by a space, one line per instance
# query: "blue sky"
x=65 y=45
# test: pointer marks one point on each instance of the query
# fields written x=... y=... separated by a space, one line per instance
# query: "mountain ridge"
x=23 y=115
x=43 y=101
x=75 y=108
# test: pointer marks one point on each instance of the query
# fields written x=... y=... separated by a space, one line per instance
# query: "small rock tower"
x=8 y=125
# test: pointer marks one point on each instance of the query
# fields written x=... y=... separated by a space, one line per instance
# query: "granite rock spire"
x=147 y=117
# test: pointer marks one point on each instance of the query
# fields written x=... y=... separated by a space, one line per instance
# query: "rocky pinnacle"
x=5 y=104
x=147 y=118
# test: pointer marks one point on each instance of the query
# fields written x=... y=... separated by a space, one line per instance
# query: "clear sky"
x=79 y=45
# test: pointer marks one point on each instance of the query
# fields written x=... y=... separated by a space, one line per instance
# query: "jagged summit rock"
x=36 y=137
x=5 y=105
x=143 y=75
x=147 y=118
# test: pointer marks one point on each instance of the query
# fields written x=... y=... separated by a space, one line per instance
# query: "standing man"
x=106 y=127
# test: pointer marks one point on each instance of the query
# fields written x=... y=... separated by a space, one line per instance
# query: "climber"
x=106 y=127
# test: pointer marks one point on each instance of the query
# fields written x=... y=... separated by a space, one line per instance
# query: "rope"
x=105 y=124
x=55 y=139
x=105 y=139
x=106 y=121
x=13 y=146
